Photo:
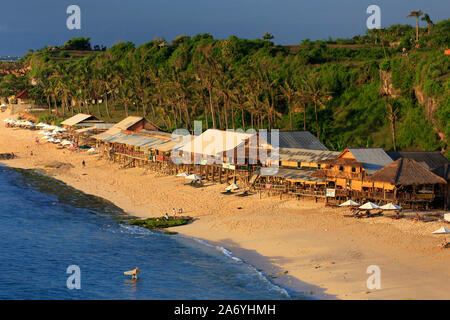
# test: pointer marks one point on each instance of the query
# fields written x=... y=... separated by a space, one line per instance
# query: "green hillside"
x=349 y=92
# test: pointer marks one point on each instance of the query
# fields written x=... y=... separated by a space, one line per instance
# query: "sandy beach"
x=298 y=244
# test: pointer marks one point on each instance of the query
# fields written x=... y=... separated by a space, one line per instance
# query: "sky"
x=33 y=24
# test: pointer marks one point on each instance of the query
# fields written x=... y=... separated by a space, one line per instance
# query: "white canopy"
x=442 y=230
x=66 y=142
x=233 y=186
x=390 y=206
x=369 y=206
x=349 y=203
x=183 y=174
x=193 y=177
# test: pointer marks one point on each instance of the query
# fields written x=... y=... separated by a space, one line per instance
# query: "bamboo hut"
x=407 y=182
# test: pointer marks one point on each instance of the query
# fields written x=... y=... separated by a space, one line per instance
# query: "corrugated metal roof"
x=298 y=139
x=98 y=126
x=213 y=141
x=118 y=127
x=305 y=155
x=103 y=126
x=84 y=130
x=134 y=140
x=153 y=133
x=297 y=174
x=429 y=159
x=432 y=160
x=128 y=122
x=373 y=158
x=405 y=171
x=76 y=119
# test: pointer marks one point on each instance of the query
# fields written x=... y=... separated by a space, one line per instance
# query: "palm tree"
x=317 y=95
x=392 y=113
x=289 y=92
x=430 y=23
x=416 y=14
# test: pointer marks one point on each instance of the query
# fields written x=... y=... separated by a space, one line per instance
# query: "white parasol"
x=349 y=203
x=390 y=206
x=369 y=206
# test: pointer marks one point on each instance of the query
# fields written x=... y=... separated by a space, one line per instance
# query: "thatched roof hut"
x=406 y=172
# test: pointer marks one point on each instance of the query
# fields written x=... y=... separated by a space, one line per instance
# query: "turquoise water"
x=46 y=226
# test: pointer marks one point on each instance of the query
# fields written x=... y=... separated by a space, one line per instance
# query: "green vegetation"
x=161 y=222
x=78 y=44
x=333 y=88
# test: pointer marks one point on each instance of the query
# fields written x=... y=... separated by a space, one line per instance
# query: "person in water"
x=134 y=273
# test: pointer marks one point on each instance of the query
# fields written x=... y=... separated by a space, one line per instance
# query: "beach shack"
x=24 y=97
x=434 y=161
x=409 y=184
x=77 y=120
x=295 y=173
x=130 y=141
x=346 y=175
x=84 y=135
x=217 y=153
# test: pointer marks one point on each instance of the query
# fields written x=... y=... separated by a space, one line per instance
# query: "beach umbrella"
x=92 y=151
x=369 y=206
x=442 y=230
x=233 y=186
x=390 y=206
x=183 y=174
x=66 y=142
x=193 y=177
x=349 y=203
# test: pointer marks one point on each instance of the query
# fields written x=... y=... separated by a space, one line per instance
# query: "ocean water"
x=46 y=226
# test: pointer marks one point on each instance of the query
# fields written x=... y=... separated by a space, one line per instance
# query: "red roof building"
x=23 y=96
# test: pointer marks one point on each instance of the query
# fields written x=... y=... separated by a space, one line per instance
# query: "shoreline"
x=283 y=288
x=324 y=254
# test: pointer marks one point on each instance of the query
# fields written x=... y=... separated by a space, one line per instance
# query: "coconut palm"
x=430 y=23
x=393 y=111
x=416 y=14
x=315 y=94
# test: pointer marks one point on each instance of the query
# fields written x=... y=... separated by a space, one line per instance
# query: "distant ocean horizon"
x=47 y=226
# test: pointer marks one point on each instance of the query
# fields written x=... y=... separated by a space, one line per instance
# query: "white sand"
x=323 y=252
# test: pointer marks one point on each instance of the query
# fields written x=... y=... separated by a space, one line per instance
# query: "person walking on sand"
x=83 y=164
x=444 y=244
x=174 y=212
x=166 y=216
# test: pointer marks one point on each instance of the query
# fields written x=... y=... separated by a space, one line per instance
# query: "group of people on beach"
x=174 y=212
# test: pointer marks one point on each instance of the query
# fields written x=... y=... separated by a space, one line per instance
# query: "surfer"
x=134 y=273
